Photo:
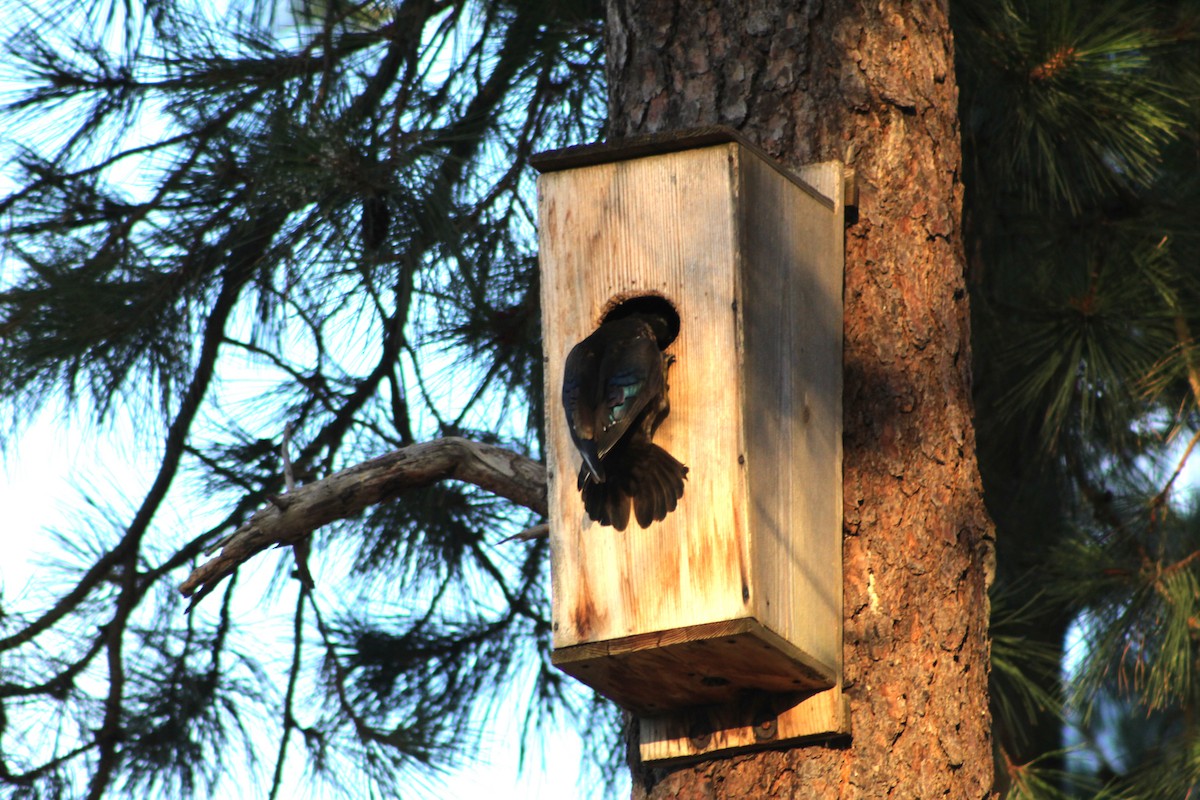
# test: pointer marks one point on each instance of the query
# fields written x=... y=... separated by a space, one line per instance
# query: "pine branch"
x=293 y=516
x=243 y=257
x=1187 y=346
x=59 y=684
x=451 y=126
x=1159 y=499
x=462 y=140
x=289 y=700
x=239 y=274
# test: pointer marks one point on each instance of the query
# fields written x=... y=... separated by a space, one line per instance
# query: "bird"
x=615 y=396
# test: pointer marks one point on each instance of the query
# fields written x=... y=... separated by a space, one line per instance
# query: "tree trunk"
x=874 y=87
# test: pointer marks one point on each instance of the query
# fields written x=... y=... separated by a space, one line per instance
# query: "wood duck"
x=615 y=396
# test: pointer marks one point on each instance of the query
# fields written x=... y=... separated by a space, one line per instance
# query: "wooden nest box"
x=734 y=601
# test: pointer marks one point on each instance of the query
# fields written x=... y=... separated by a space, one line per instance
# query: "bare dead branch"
x=289 y=479
x=301 y=547
x=347 y=493
x=529 y=534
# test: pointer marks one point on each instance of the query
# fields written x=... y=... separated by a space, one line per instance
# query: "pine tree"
x=334 y=196
x=1080 y=145
x=337 y=196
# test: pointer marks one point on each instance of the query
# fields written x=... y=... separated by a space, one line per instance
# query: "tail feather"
x=669 y=477
x=645 y=479
x=651 y=503
x=654 y=493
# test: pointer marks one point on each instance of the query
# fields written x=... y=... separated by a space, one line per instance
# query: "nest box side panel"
x=661 y=225
x=792 y=283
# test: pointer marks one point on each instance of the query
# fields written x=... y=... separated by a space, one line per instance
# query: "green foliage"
x=1090 y=321
x=1022 y=685
x=1080 y=122
x=1142 y=619
x=1074 y=108
x=1160 y=772
x=1041 y=780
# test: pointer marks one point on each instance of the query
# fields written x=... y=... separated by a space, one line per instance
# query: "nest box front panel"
x=663 y=226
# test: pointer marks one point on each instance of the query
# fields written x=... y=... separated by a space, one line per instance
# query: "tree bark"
x=873 y=86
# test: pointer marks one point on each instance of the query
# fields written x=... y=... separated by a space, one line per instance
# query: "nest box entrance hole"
x=651 y=304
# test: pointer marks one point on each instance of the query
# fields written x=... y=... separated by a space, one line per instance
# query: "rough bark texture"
x=871 y=84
